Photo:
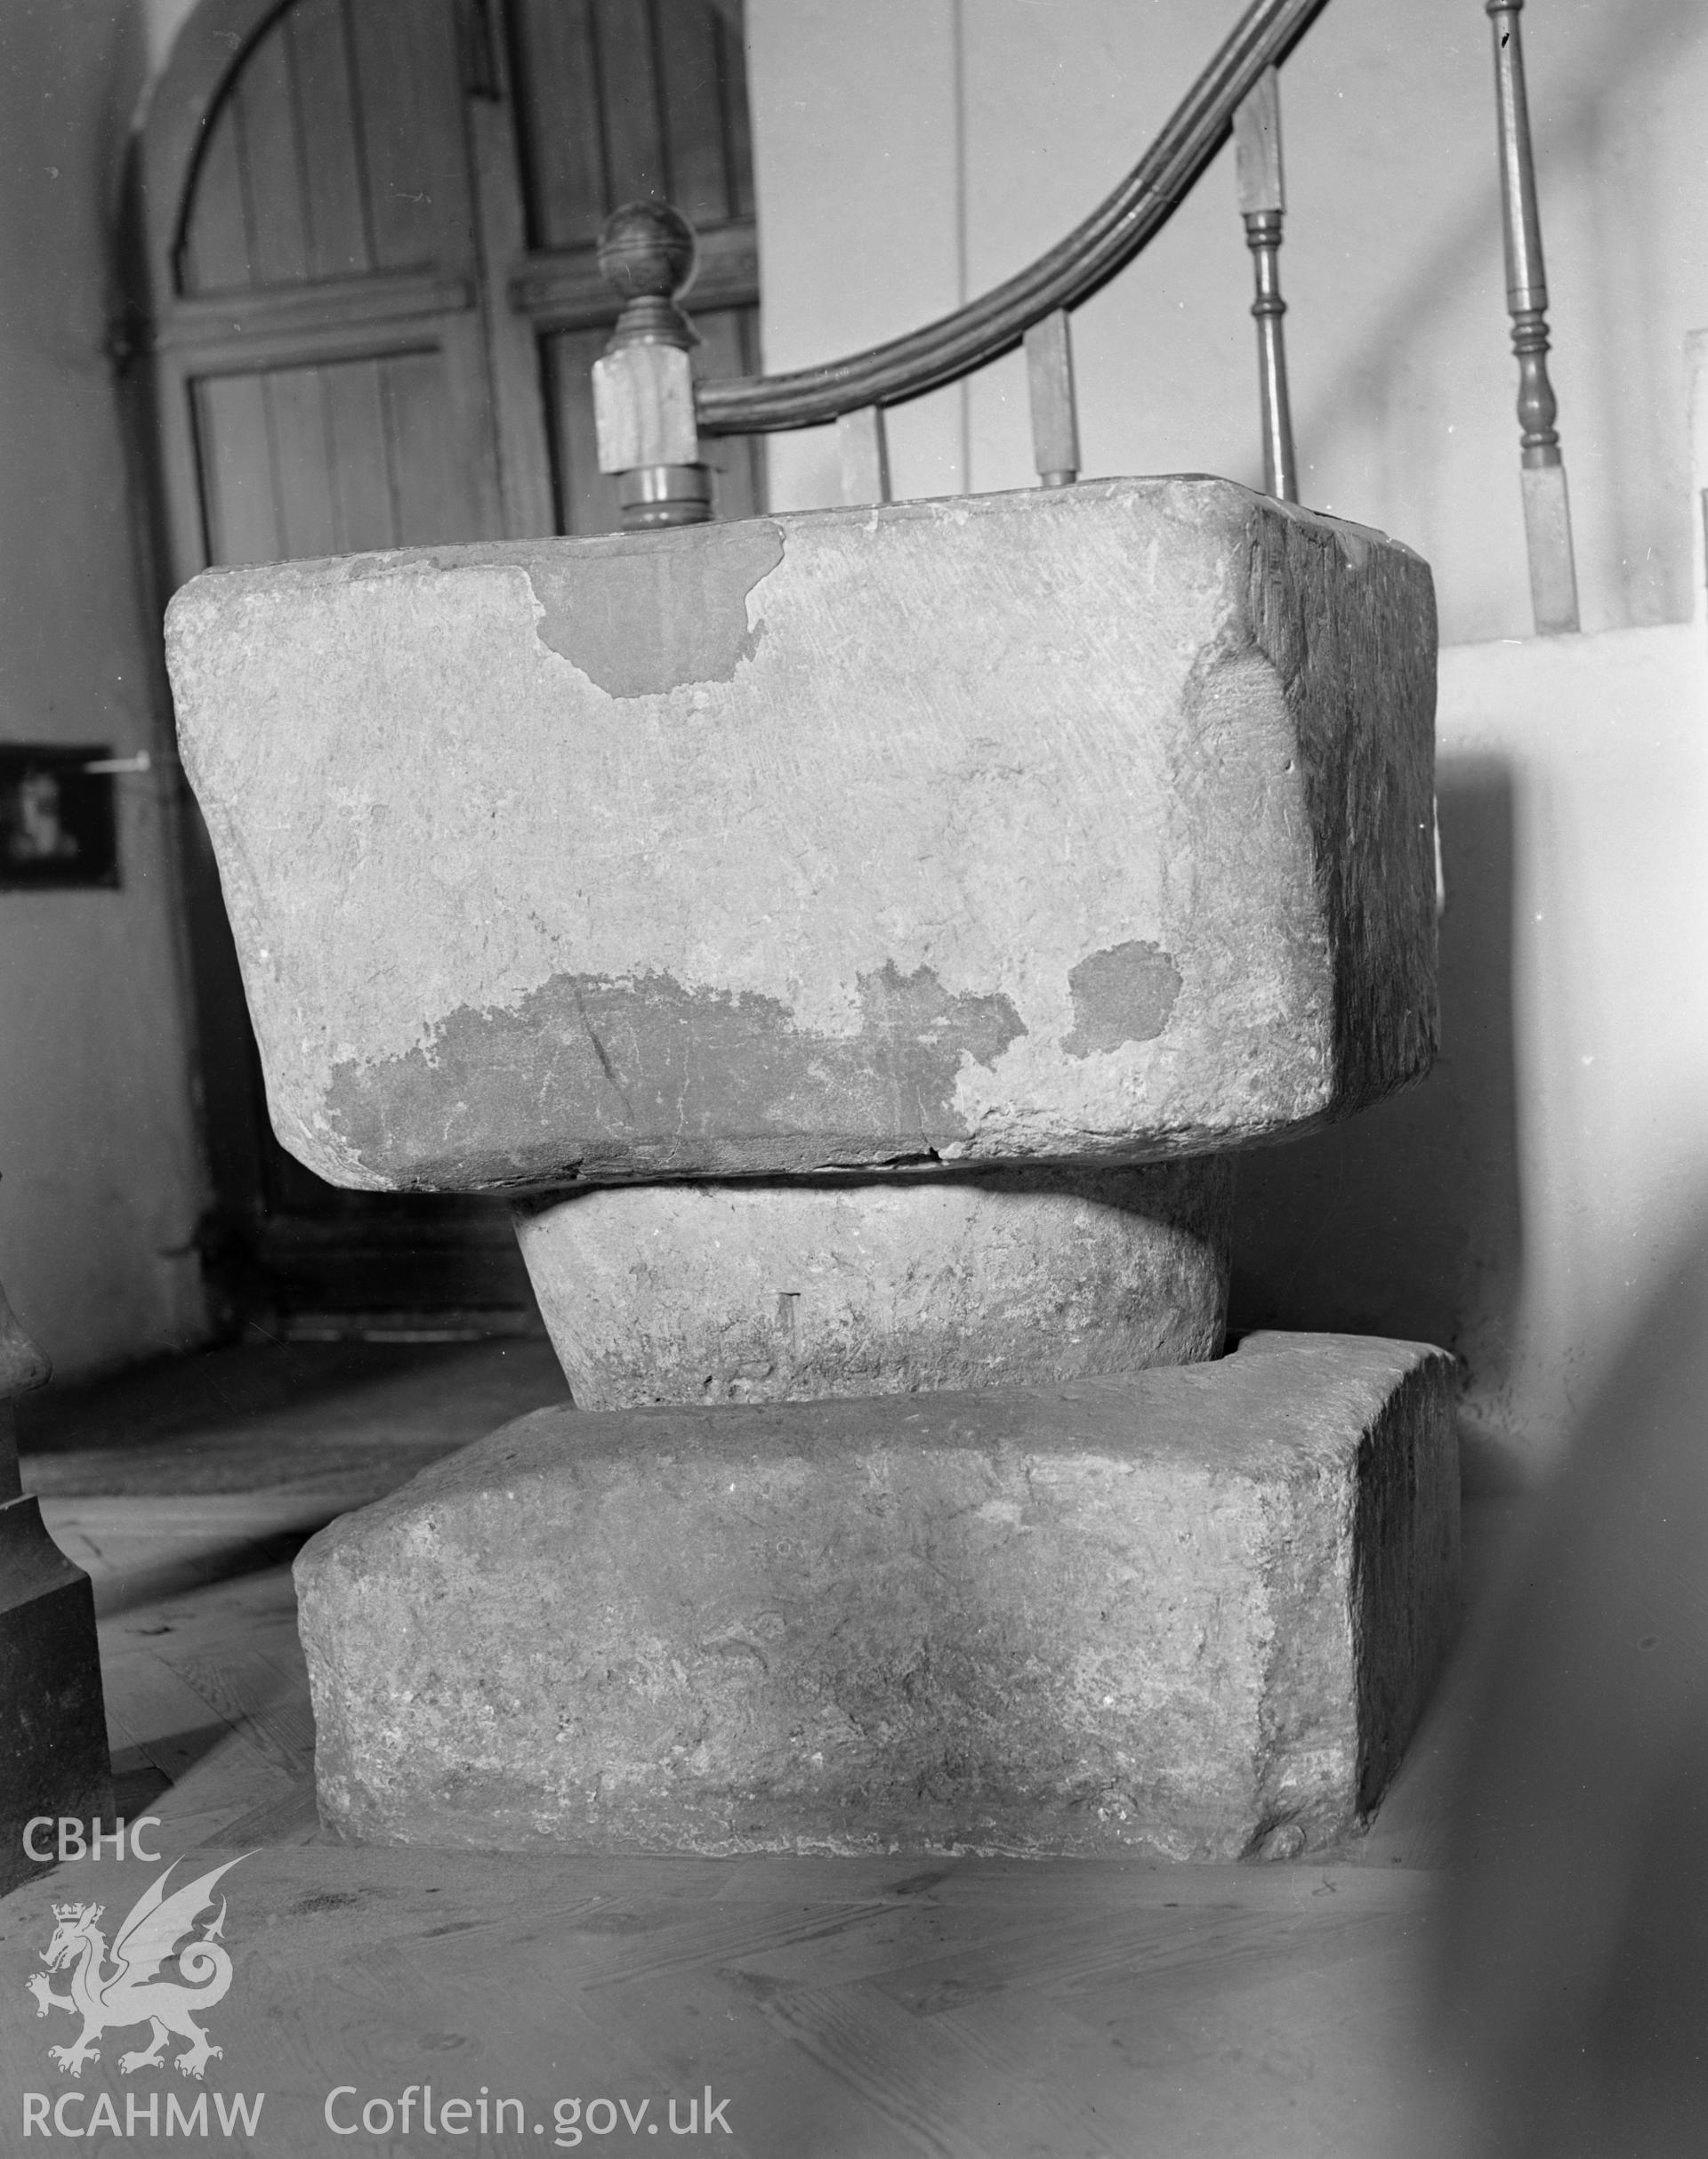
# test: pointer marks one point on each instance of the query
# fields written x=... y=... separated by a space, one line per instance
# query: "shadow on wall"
x=1571 y=1929
x=1406 y=1220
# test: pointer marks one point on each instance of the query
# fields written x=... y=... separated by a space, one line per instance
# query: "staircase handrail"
x=1095 y=251
x=651 y=413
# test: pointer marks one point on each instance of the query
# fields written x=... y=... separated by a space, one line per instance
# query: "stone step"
x=1192 y=1611
x=1073 y=825
x=53 y=1756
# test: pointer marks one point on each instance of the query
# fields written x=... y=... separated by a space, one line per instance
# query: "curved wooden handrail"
x=1092 y=253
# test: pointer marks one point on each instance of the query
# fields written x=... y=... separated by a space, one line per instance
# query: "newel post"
x=643 y=387
x=1547 y=513
x=1262 y=205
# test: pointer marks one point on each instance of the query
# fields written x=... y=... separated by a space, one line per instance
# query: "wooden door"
x=367 y=309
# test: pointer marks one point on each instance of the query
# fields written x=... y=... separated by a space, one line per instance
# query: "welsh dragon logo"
x=129 y=1992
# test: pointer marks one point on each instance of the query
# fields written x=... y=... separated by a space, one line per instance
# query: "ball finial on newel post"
x=643 y=389
x=647 y=253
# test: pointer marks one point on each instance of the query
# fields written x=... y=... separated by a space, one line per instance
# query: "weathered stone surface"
x=773 y=1292
x=1192 y=1611
x=1070 y=826
x=52 y=1722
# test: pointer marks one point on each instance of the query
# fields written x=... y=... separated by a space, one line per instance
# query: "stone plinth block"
x=53 y=1720
x=1192 y=1612
x=773 y=1292
x=1081 y=824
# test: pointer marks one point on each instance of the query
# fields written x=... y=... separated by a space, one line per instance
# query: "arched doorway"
x=366 y=312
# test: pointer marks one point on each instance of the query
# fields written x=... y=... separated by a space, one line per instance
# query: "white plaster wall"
x=858 y=169
x=912 y=151
x=1605 y=739
x=1521 y=1205
x=100 y=1178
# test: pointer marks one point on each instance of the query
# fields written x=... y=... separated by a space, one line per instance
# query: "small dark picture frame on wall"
x=57 y=827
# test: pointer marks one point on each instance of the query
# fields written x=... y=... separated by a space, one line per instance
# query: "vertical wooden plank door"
x=364 y=235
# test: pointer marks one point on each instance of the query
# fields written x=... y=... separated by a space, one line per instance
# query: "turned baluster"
x=1547 y=513
x=1055 y=419
x=643 y=387
x=1263 y=203
x=863 y=451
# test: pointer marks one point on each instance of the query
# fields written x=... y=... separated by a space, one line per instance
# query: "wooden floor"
x=831 y=2005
